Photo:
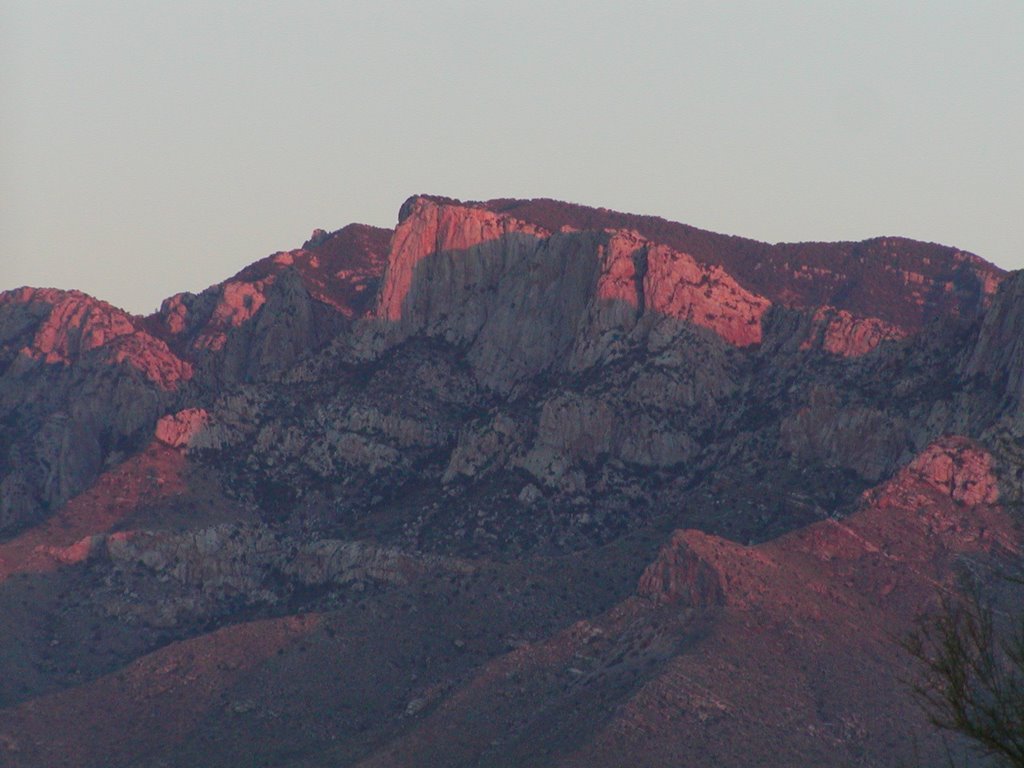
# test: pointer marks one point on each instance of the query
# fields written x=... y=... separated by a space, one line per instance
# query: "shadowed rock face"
x=998 y=356
x=519 y=482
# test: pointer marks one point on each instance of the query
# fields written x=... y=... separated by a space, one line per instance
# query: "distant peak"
x=410 y=205
x=317 y=238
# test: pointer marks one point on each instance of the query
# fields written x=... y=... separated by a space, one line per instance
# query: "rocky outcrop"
x=448 y=233
x=838 y=332
x=278 y=309
x=81 y=383
x=676 y=286
x=681 y=575
x=289 y=325
x=470 y=278
x=341 y=270
x=576 y=430
x=486 y=446
x=237 y=303
x=70 y=328
x=244 y=329
x=945 y=498
x=179 y=430
x=960 y=469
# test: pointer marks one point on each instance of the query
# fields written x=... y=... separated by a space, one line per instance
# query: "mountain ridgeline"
x=516 y=483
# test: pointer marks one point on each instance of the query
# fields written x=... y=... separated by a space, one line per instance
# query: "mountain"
x=516 y=483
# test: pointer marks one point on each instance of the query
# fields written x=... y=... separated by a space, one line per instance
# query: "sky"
x=148 y=148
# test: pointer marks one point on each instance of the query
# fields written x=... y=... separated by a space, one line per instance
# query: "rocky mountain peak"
x=526 y=298
x=860 y=293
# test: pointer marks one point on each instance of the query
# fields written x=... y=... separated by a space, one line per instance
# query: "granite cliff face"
x=519 y=482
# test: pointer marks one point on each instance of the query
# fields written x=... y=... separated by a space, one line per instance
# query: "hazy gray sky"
x=152 y=147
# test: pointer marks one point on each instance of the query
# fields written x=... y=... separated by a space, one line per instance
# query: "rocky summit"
x=517 y=483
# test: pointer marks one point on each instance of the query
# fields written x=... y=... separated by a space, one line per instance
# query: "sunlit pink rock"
x=958 y=467
x=178 y=429
x=472 y=247
x=73 y=325
x=677 y=286
x=237 y=303
x=429 y=228
x=839 y=332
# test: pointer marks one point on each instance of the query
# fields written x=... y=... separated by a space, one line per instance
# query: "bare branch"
x=971 y=679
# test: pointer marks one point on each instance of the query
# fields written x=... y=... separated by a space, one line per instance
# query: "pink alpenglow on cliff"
x=71 y=326
x=432 y=229
x=444 y=252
